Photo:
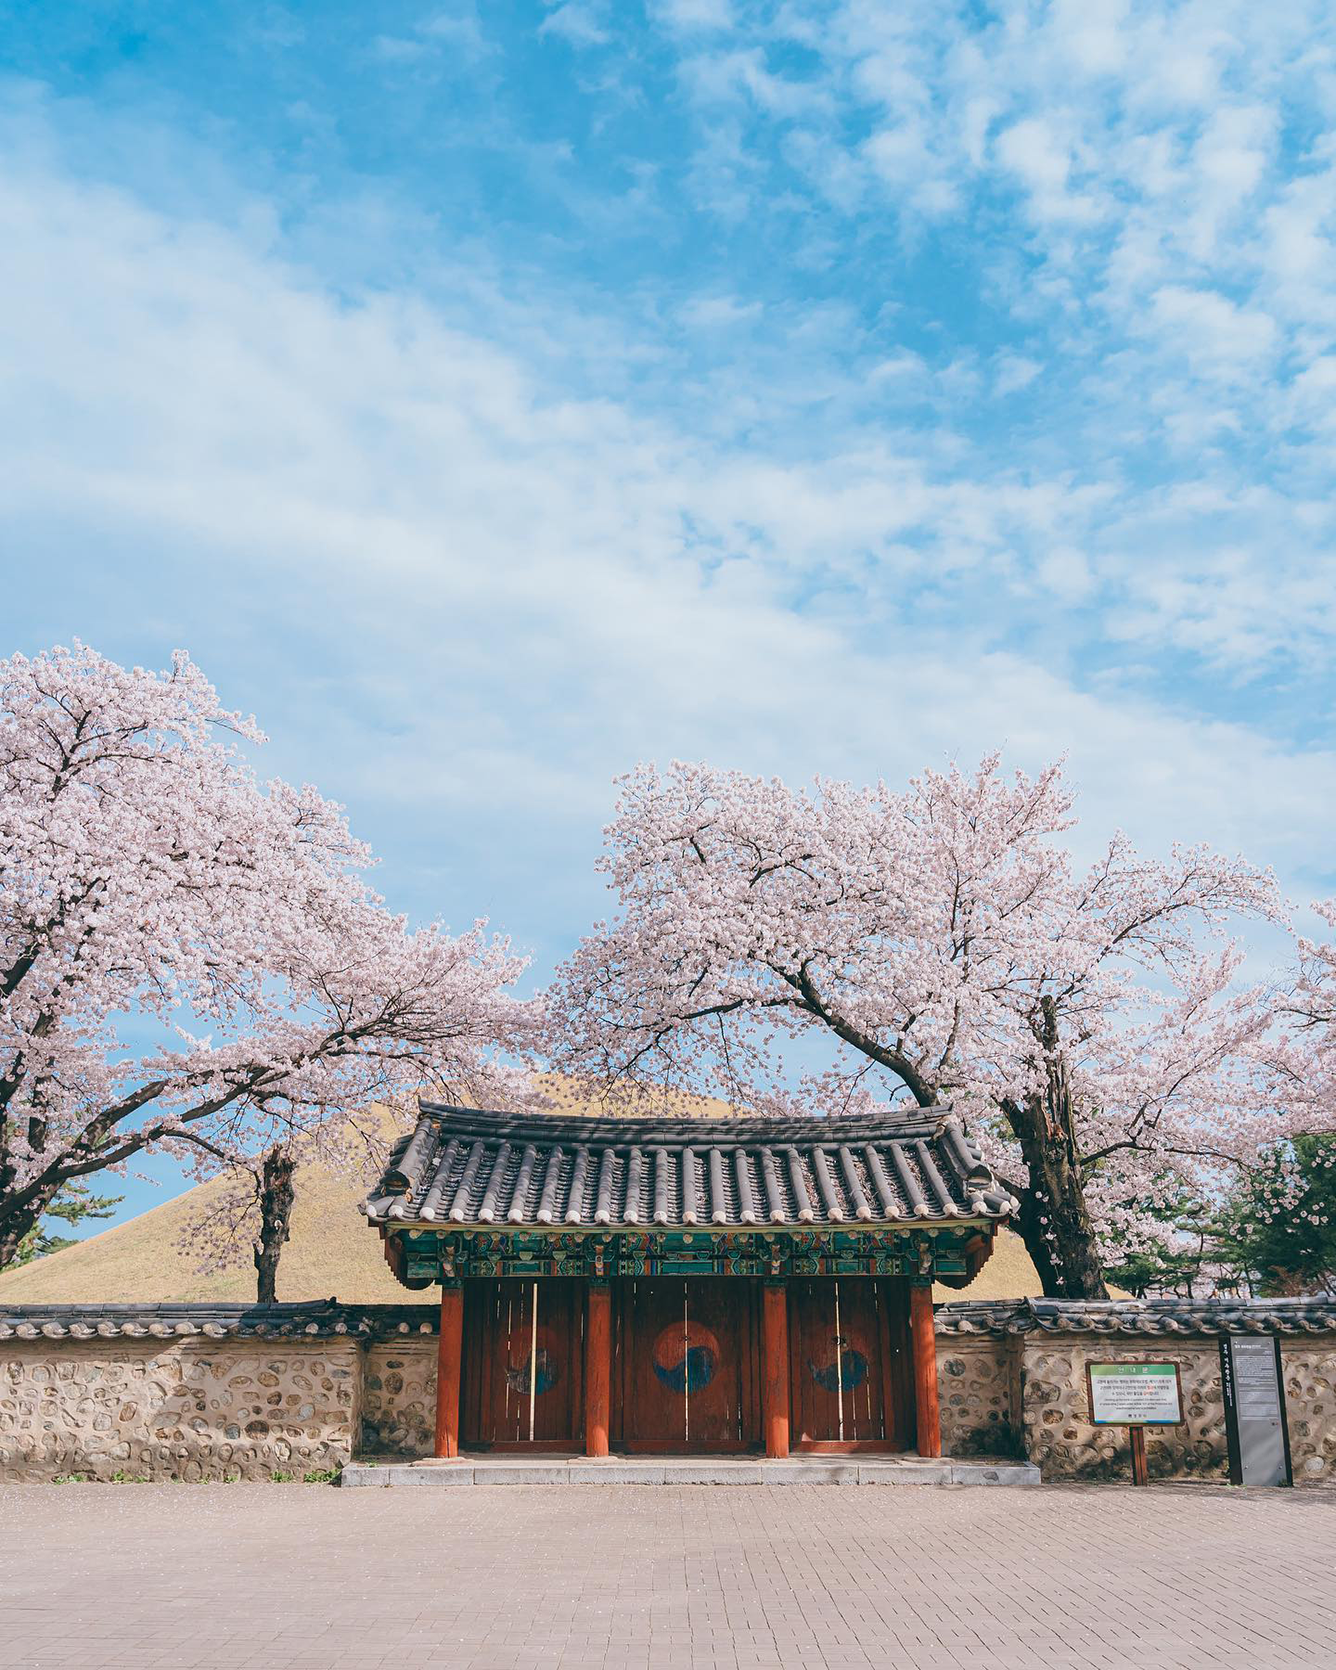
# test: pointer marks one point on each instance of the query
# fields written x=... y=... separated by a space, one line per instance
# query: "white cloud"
x=1093 y=35
x=1313 y=394
x=1233 y=150
x=900 y=154
x=458 y=26
x=717 y=312
x=504 y=594
x=1066 y=573
x=904 y=367
x=726 y=77
x=577 y=22
x=1041 y=157
x=1144 y=141
x=688 y=15
x=904 y=158
x=396 y=49
x=1209 y=329
x=1296 y=251
x=1013 y=371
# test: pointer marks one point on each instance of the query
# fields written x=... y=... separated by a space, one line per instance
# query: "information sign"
x=1254 y=1387
x=1134 y=1394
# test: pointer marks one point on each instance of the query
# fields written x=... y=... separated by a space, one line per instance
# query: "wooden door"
x=849 y=1363
x=686 y=1364
x=523 y=1363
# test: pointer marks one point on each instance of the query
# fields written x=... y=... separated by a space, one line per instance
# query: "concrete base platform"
x=621 y=1469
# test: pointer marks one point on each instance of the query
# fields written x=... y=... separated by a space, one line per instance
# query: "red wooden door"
x=849 y=1364
x=686 y=1365
x=523 y=1363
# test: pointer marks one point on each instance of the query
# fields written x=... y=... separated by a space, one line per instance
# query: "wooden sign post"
x=1140 y=1472
x=1135 y=1395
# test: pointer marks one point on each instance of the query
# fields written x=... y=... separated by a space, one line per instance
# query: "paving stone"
x=615 y=1470
x=802 y=1471
x=527 y=1472
x=900 y=1472
x=355 y=1477
x=701 y=1470
x=300 y=1577
x=1019 y=1476
x=414 y=1474
x=690 y=1470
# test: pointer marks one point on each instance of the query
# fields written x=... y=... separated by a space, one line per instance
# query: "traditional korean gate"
x=851 y=1385
x=523 y=1364
x=685 y=1370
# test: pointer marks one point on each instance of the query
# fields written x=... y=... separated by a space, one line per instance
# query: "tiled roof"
x=1139 y=1316
x=179 y=1321
x=1165 y=1317
x=475 y=1170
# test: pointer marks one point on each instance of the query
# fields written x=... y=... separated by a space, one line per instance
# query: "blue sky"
x=490 y=398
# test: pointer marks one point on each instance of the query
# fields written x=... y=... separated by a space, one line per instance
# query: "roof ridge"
x=691 y=1126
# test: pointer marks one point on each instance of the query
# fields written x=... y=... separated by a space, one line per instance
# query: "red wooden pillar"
x=775 y=1367
x=449 y=1347
x=927 y=1418
x=598 y=1368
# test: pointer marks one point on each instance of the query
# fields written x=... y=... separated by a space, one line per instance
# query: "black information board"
x=1254 y=1388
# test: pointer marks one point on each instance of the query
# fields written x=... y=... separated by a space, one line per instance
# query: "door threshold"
x=477 y=1469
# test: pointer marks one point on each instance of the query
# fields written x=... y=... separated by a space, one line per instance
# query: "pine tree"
x=74 y=1203
x=1279 y=1227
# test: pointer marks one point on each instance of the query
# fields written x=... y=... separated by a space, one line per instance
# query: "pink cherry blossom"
x=1303 y=1057
x=936 y=944
x=192 y=959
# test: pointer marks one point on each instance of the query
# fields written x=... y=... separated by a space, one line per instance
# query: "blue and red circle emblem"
x=545 y=1363
x=842 y=1367
x=686 y=1357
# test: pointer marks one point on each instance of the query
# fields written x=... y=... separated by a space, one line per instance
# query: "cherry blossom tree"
x=249 y=1218
x=1303 y=1058
x=938 y=945
x=191 y=959
x=246 y=1219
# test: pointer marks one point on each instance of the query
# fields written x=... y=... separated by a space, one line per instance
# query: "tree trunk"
x=276 y=1200
x=16 y=1222
x=1054 y=1220
x=1062 y=1249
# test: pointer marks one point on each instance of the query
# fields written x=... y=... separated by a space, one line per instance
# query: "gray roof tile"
x=1165 y=1316
x=473 y=1169
x=328 y=1319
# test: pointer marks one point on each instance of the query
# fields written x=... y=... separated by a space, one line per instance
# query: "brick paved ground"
x=627 y=1578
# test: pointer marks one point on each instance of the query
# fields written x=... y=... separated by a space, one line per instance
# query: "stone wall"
x=1310 y=1398
x=977 y=1395
x=200 y=1392
x=1061 y=1440
x=1058 y=1435
x=399 y=1398
x=1024 y=1365
x=207 y=1409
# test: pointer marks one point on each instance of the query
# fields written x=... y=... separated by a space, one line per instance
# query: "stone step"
x=683 y=1470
